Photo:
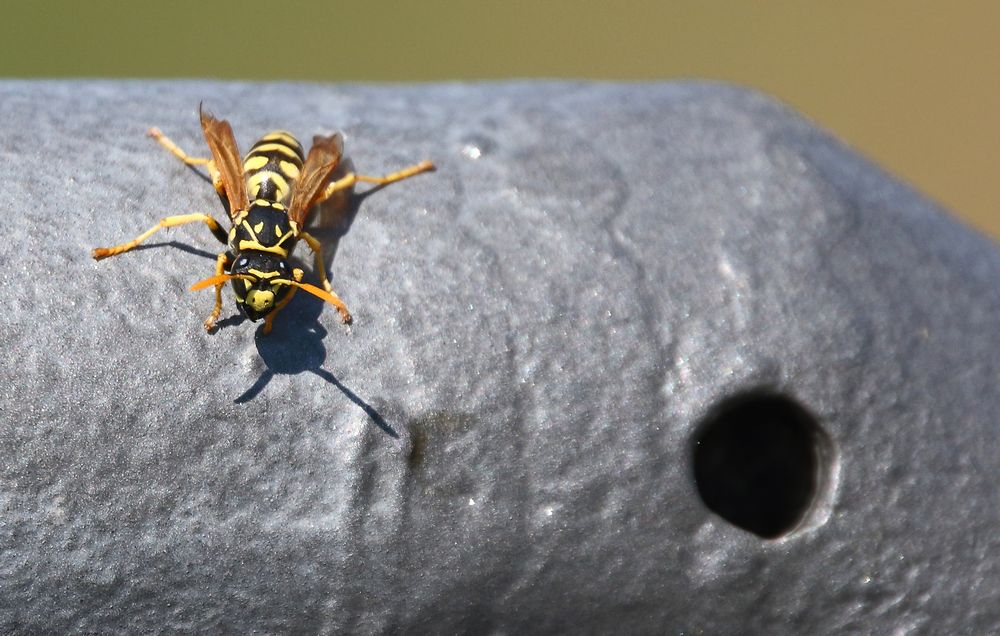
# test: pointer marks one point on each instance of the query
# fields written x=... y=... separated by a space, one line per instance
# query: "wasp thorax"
x=263 y=283
x=263 y=227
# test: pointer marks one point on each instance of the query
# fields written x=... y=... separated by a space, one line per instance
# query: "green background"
x=912 y=85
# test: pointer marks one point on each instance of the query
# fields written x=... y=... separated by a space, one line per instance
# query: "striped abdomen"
x=272 y=166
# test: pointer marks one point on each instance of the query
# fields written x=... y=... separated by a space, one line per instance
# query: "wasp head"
x=261 y=282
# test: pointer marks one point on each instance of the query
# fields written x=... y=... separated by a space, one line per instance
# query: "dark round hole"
x=759 y=462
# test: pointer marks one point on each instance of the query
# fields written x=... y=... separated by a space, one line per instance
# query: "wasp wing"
x=322 y=160
x=226 y=156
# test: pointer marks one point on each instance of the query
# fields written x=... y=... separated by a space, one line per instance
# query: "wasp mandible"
x=270 y=194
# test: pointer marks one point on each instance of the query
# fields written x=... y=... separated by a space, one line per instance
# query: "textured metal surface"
x=503 y=440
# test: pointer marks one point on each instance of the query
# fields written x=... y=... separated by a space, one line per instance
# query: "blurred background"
x=910 y=84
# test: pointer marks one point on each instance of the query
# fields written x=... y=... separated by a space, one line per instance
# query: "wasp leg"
x=317 y=251
x=176 y=151
x=220 y=266
x=351 y=178
x=297 y=275
x=171 y=221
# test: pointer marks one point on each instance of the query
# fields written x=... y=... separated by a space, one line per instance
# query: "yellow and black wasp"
x=269 y=195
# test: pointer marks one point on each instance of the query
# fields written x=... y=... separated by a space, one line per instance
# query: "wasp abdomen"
x=272 y=166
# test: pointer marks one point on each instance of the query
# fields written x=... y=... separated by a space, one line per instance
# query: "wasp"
x=269 y=196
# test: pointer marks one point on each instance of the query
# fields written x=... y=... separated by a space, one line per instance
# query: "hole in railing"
x=760 y=462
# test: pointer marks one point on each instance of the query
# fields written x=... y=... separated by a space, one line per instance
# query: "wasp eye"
x=241 y=262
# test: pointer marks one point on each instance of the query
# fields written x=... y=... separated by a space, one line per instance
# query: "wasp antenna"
x=315 y=291
x=325 y=296
x=216 y=280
